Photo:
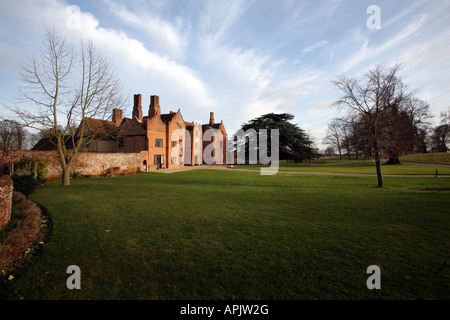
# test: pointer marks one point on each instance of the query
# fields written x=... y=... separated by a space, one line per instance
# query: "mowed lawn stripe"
x=223 y=234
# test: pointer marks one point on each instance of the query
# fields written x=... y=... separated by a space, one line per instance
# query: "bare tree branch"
x=67 y=87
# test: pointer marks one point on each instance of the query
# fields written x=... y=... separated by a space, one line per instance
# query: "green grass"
x=225 y=234
x=436 y=158
x=356 y=167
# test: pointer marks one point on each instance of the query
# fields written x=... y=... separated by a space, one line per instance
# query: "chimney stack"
x=154 y=108
x=117 y=116
x=137 y=108
x=211 y=118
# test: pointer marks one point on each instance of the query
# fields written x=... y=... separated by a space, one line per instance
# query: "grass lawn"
x=436 y=158
x=358 y=168
x=207 y=234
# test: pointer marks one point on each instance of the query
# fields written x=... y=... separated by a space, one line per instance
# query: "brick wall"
x=6 y=189
x=88 y=163
x=156 y=129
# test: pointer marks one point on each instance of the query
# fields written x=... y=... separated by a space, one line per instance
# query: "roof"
x=167 y=117
x=214 y=126
x=49 y=144
x=102 y=129
x=135 y=128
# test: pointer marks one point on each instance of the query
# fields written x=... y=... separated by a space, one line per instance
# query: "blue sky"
x=240 y=59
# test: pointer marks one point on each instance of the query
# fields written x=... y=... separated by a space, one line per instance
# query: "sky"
x=240 y=59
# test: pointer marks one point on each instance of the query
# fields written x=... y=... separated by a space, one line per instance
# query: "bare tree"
x=12 y=135
x=334 y=136
x=441 y=134
x=369 y=98
x=67 y=87
x=6 y=135
x=402 y=128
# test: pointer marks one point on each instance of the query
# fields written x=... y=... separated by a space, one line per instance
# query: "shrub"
x=31 y=167
x=26 y=184
x=16 y=215
x=24 y=234
x=77 y=175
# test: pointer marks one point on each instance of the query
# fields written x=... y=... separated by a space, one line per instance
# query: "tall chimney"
x=154 y=109
x=137 y=108
x=117 y=117
x=211 y=118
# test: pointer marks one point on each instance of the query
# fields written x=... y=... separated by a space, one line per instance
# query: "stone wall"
x=6 y=190
x=88 y=163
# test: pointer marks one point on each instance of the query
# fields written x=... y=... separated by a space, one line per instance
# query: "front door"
x=159 y=161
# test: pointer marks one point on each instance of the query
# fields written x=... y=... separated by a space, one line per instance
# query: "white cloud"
x=315 y=46
x=218 y=16
x=131 y=56
x=195 y=56
x=162 y=33
x=323 y=104
x=367 y=53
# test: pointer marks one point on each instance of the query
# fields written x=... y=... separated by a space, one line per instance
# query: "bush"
x=23 y=236
x=77 y=175
x=26 y=184
x=16 y=215
x=31 y=167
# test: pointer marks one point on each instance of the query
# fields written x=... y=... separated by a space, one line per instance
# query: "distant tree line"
x=14 y=136
x=403 y=133
x=382 y=113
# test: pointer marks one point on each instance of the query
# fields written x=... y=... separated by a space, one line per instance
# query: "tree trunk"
x=378 y=165
x=394 y=157
x=348 y=149
x=379 y=174
x=393 y=160
x=65 y=177
x=35 y=163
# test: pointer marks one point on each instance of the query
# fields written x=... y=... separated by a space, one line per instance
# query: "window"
x=180 y=144
x=174 y=144
x=174 y=160
x=159 y=143
x=158 y=159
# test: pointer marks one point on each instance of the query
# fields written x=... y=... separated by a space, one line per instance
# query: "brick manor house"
x=165 y=140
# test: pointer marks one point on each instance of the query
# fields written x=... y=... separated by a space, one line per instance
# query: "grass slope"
x=436 y=158
x=356 y=167
x=222 y=235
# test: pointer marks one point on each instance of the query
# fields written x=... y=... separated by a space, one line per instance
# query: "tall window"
x=159 y=143
x=157 y=159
